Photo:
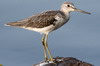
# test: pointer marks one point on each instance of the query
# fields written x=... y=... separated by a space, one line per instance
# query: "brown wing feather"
x=42 y=20
x=37 y=21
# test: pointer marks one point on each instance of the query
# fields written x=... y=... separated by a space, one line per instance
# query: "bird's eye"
x=68 y=5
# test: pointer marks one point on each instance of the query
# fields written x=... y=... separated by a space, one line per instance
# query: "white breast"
x=61 y=21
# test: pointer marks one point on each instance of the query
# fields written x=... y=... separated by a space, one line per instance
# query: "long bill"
x=82 y=11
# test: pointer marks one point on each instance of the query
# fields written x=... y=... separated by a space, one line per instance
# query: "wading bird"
x=47 y=22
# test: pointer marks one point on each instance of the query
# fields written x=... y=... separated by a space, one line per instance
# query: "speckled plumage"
x=40 y=21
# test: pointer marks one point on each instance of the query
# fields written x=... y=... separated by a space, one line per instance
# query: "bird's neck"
x=66 y=12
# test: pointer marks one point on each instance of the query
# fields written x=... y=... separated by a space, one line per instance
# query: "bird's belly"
x=43 y=30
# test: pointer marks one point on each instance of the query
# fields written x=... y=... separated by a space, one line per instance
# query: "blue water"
x=79 y=38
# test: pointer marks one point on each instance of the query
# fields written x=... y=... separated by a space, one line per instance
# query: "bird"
x=46 y=22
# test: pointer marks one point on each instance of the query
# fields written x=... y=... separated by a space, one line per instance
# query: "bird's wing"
x=42 y=20
x=37 y=21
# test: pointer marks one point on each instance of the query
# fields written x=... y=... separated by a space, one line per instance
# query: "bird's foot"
x=46 y=59
x=51 y=59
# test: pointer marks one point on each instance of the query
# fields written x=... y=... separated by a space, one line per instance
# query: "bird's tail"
x=14 y=24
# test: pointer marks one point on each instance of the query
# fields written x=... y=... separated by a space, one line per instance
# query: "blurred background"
x=79 y=38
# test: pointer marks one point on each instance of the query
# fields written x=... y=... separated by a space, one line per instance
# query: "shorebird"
x=47 y=22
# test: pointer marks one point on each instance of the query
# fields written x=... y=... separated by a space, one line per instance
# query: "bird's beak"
x=81 y=11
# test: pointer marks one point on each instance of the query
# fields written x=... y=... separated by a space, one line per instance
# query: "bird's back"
x=45 y=19
x=37 y=21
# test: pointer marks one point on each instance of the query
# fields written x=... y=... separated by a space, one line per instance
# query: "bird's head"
x=67 y=7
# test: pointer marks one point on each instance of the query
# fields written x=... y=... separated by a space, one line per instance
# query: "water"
x=79 y=38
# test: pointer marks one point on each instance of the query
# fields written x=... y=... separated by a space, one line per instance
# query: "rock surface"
x=63 y=61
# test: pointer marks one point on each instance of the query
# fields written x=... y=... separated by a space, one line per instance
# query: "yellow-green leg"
x=47 y=48
x=1 y=65
x=44 y=48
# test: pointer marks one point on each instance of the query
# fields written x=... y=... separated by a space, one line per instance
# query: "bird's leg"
x=46 y=45
x=44 y=48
